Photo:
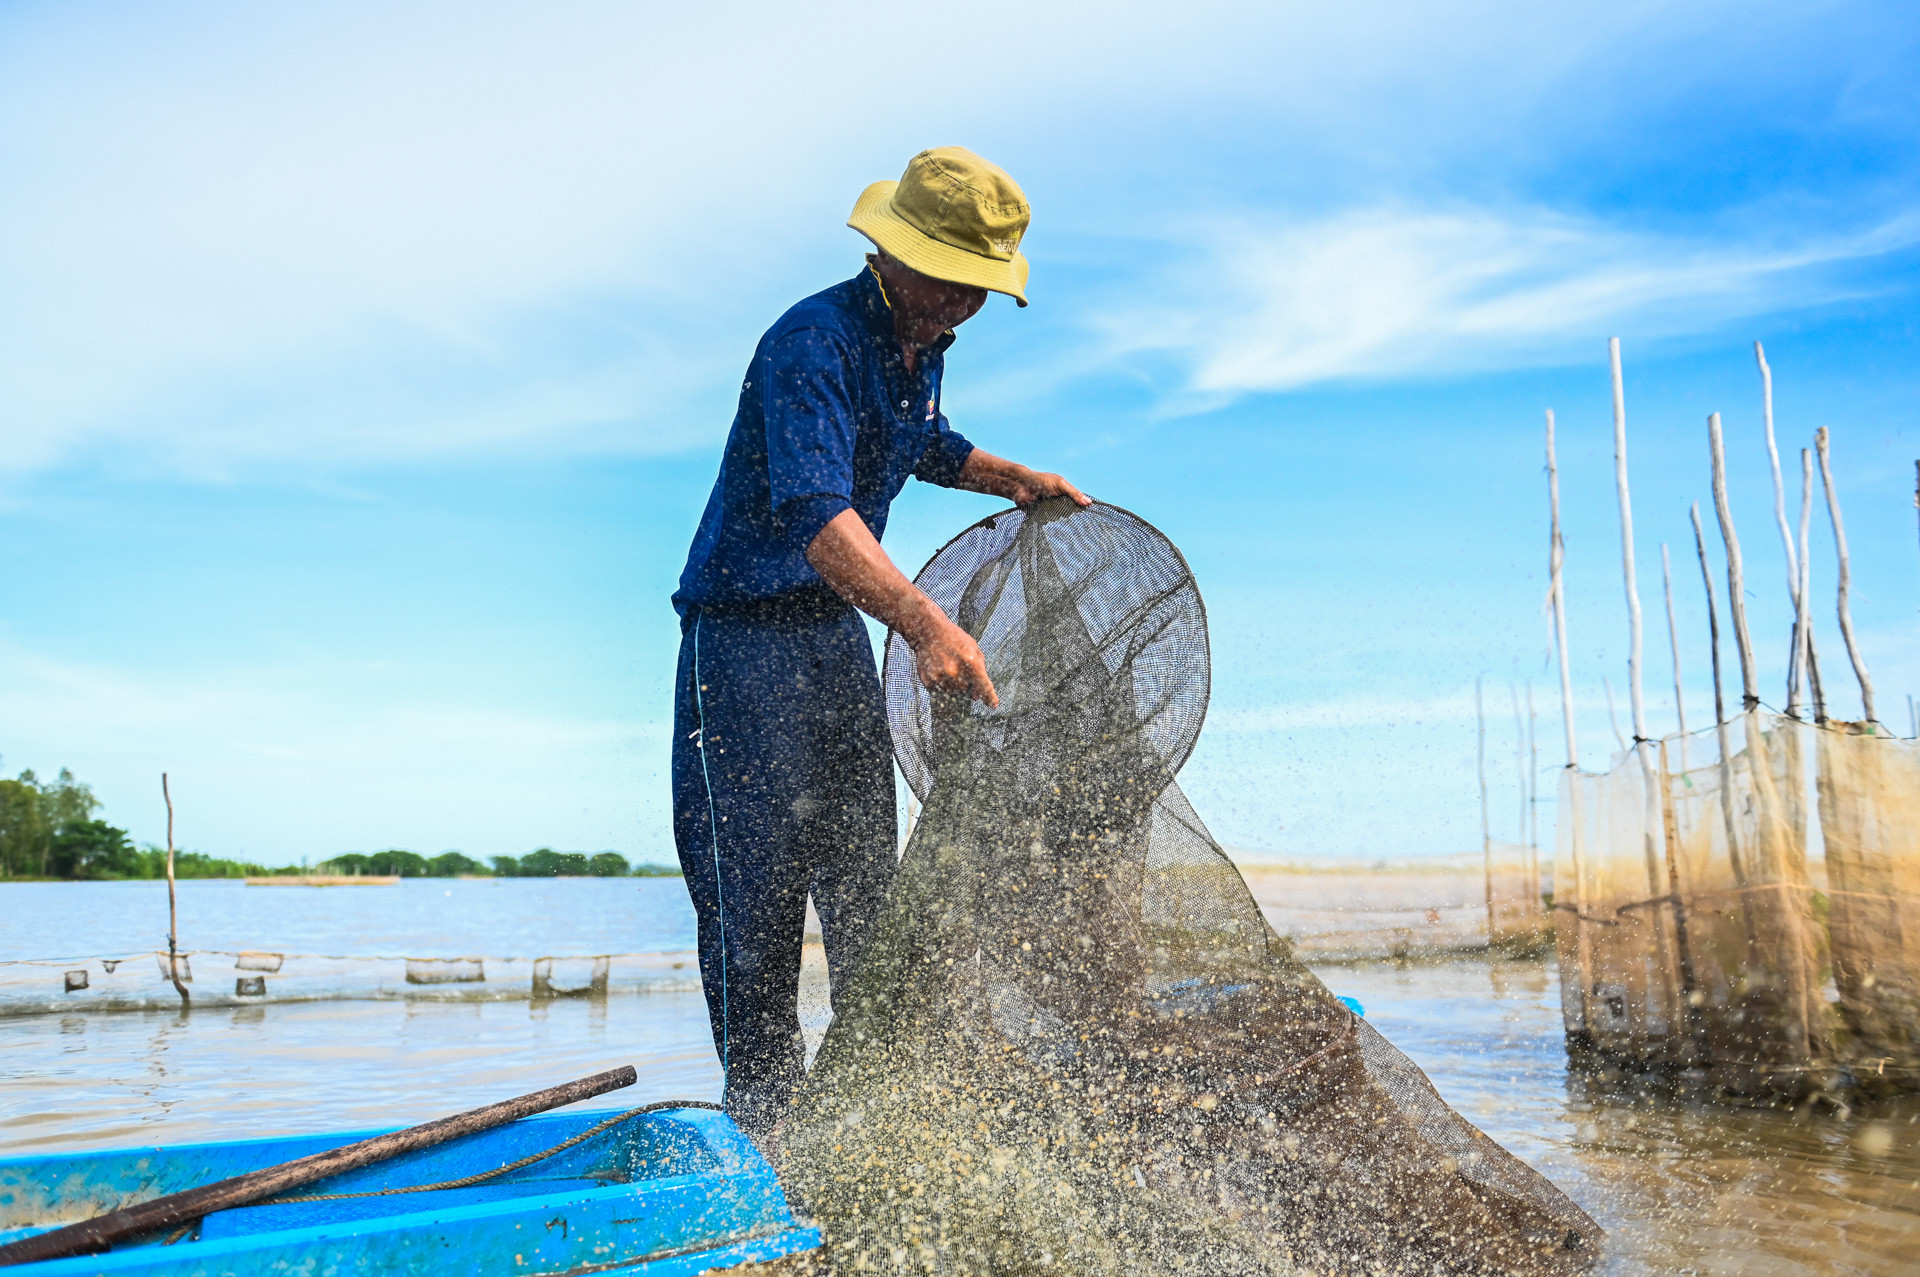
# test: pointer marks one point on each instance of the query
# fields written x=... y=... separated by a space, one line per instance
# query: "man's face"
x=924 y=307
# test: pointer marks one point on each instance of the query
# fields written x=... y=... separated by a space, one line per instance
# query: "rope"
x=467 y=1180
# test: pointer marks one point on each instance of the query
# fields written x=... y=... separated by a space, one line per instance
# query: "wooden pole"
x=95 y=1235
x=1520 y=762
x=1486 y=835
x=1719 y=711
x=1736 y=582
x=1613 y=718
x=1673 y=641
x=1582 y=946
x=1634 y=653
x=1652 y=780
x=1820 y=443
x=1809 y=654
x=1794 y=664
x=173 y=907
x=1556 y=555
x=1533 y=803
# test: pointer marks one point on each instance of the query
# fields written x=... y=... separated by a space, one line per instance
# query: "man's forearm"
x=995 y=476
x=1022 y=485
x=848 y=558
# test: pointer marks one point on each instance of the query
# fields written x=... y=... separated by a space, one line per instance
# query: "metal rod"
x=173 y=906
x=1820 y=444
x=175 y=1209
x=1736 y=583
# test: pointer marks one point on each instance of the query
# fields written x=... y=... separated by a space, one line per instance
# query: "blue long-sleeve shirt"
x=829 y=419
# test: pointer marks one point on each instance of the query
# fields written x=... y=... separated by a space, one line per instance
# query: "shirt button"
x=903 y=403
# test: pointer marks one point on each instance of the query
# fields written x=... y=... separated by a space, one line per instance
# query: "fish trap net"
x=1723 y=917
x=1073 y=1043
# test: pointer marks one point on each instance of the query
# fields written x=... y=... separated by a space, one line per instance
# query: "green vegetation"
x=545 y=862
x=48 y=830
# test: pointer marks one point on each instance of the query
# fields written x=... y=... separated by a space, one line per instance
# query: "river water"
x=1680 y=1187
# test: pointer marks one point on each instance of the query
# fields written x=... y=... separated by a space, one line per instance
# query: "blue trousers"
x=782 y=787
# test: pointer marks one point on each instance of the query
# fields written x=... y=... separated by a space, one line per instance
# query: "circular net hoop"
x=1136 y=614
x=1071 y=1042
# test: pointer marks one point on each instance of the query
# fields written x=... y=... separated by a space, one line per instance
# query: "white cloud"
x=243 y=232
x=1388 y=292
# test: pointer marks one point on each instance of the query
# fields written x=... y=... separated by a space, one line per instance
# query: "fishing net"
x=1073 y=1043
x=1869 y=785
x=1695 y=937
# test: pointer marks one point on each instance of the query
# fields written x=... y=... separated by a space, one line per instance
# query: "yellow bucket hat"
x=953 y=216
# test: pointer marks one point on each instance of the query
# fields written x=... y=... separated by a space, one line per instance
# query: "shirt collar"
x=879 y=314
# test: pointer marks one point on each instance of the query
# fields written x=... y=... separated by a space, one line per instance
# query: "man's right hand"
x=949 y=660
x=847 y=558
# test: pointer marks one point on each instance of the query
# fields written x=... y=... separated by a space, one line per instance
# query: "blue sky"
x=365 y=370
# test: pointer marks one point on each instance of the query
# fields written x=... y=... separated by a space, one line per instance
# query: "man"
x=782 y=772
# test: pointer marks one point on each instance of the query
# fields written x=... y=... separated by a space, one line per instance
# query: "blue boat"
x=667 y=1193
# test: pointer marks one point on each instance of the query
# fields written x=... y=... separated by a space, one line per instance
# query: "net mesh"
x=1697 y=936
x=1074 y=1043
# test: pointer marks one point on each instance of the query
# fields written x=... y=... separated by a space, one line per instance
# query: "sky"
x=366 y=368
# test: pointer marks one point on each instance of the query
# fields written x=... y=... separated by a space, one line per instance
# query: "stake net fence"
x=1742 y=904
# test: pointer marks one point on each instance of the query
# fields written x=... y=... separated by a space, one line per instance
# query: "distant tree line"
x=544 y=862
x=48 y=830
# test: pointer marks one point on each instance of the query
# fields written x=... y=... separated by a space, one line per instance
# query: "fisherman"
x=782 y=772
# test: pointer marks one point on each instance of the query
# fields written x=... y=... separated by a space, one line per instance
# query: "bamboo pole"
x=1533 y=805
x=1736 y=583
x=1486 y=835
x=173 y=907
x=1582 y=947
x=1820 y=443
x=1634 y=653
x=1556 y=556
x=1613 y=718
x=1673 y=641
x=95 y=1235
x=1520 y=765
x=1653 y=842
x=1809 y=655
x=1795 y=665
x=1719 y=709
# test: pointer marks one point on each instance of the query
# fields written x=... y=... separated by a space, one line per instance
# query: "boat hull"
x=672 y=1192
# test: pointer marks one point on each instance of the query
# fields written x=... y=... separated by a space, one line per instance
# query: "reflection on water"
x=1680 y=1188
x=107 y=1080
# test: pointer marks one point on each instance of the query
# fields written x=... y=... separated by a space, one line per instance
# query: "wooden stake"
x=173 y=908
x=1809 y=654
x=1713 y=614
x=1613 y=719
x=1486 y=835
x=1533 y=802
x=1673 y=641
x=1556 y=555
x=1719 y=709
x=1736 y=578
x=1846 y=575
x=1794 y=665
x=1634 y=654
